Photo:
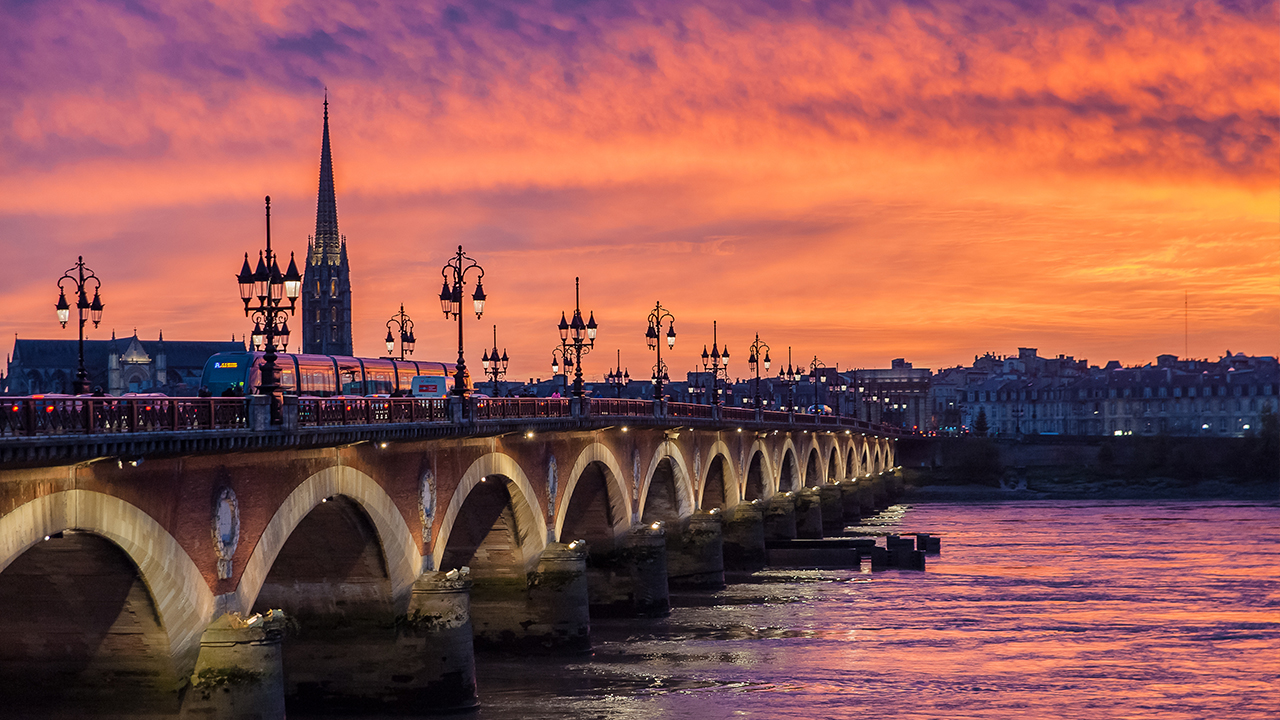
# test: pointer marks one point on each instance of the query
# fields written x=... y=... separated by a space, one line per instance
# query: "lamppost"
x=270 y=315
x=651 y=336
x=455 y=272
x=560 y=357
x=405 y=327
x=494 y=366
x=817 y=380
x=82 y=277
x=577 y=335
x=716 y=363
x=617 y=377
x=789 y=376
x=759 y=356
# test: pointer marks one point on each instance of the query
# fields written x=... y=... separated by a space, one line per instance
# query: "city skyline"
x=886 y=181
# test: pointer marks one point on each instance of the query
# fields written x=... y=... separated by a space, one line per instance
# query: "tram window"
x=287 y=379
x=350 y=378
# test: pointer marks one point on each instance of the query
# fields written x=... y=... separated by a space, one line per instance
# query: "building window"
x=333 y=288
x=333 y=314
x=334 y=334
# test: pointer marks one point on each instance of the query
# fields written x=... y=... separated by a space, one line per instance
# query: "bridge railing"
x=50 y=416
x=521 y=408
x=39 y=416
x=319 y=412
x=689 y=410
x=625 y=408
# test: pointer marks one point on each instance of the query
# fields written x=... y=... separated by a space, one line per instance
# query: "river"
x=1041 y=609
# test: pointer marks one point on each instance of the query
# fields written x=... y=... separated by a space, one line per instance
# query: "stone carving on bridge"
x=226 y=530
x=635 y=486
x=427 y=513
x=552 y=487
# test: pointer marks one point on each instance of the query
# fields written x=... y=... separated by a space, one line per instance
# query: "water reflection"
x=1034 y=610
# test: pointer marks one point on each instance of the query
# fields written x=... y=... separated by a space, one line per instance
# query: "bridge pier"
x=547 y=611
x=239 y=672
x=832 y=510
x=744 y=537
x=866 y=498
x=632 y=580
x=434 y=646
x=808 y=513
x=850 y=503
x=780 y=517
x=695 y=555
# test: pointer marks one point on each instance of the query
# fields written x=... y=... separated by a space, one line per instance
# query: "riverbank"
x=927 y=485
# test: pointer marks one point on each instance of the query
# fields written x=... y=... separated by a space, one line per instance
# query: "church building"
x=326 y=286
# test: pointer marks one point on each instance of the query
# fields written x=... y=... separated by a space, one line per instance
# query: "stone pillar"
x=239 y=674
x=866 y=498
x=695 y=556
x=434 y=659
x=744 y=537
x=259 y=412
x=780 y=517
x=289 y=413
x=631 y=580
x=558 y=601
x=808 y=513
x=850 y=503
x=832 y=509
x=880 y=492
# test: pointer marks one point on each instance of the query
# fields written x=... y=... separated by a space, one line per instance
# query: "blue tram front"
x=239 y=373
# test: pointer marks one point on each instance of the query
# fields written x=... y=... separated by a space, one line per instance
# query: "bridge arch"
x=181 y=596
x=729 y=488
x=833 y=464
x=789 y=478
x=813 y=463
x=527 y=515
x=867 y=469
x=761 y=481
x=597 y=456
x=682 y=500
x=850 y=470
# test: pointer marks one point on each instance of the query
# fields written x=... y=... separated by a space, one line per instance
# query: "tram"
x=239 y=373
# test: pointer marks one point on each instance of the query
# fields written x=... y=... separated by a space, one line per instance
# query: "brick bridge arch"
x=768 y=474
x=730 y=485
x=682 y=479
x=524 y=505
x=619 y=496
x=399 y=549
x=181 y=597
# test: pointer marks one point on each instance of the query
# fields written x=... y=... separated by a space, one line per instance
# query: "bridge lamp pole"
x=653 y=336
x=819 y=381
x=790 y=376
x=617 y=377
x=79 y=282
x=716 y=364
x=579 y=336
x=454 y=273
x=404 y=328
x=495 y=366
x=560 y=357
x=270 y=315
x=759 y=356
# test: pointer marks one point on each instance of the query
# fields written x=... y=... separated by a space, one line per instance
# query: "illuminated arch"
x=683 y=481
x=732 y=488
x=619 y=501
x=399 y=549
x=789 y=447
x=524 y=503
x=182 y=598
x=766 y=468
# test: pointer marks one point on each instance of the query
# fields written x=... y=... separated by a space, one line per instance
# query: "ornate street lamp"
x=495 y=366
x=617 y=377
x=80 y=280
x=560 y=357
x=455 y=276
x=653 y=336
x=759 y=356
x=270 y=315
x=818 y=380
x=716 y=363
x=579 y=336
x=404 y=328
x=790 y=376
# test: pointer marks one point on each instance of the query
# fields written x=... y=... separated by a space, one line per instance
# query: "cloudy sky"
x=859 y=180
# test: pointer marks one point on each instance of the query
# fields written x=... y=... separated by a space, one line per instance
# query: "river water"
x=1043 y=609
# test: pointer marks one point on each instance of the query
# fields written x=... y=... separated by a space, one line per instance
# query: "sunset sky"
x=860 y=180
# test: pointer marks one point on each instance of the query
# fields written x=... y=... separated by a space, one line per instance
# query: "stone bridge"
x=133 y=559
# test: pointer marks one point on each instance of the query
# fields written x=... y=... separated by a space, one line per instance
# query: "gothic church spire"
x=327 y=240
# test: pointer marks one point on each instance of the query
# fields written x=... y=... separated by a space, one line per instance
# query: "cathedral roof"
x=327 y=243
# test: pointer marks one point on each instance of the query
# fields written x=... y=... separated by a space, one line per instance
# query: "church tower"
x=326 y=283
